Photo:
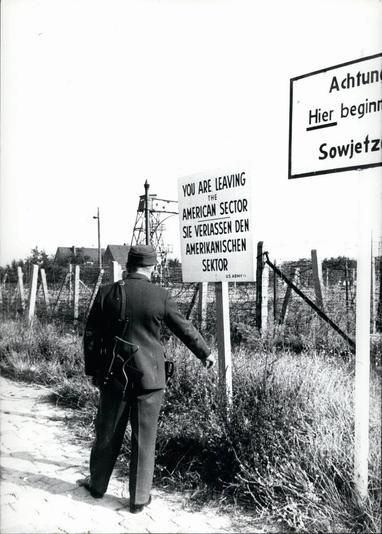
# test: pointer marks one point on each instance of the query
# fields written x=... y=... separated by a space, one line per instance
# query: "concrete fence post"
x=32 y=294
x=117 y=271
x=45 y=288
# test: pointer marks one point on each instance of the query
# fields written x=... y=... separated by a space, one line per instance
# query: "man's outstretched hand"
x=209 y=361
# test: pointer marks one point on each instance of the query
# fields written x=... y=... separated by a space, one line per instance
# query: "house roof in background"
x=118 y=253
x=87 y=253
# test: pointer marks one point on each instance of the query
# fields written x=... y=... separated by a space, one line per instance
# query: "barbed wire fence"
x=288 y=322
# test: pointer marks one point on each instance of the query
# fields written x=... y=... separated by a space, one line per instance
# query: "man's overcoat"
x=147 y=306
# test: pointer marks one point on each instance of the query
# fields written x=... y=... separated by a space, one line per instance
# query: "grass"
x=285 y=451
x=287 y=446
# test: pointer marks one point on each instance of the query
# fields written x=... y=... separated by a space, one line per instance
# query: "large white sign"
x=215 y=227
x=336 y=118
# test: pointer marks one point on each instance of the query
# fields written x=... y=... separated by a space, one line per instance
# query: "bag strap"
x=122 y=315
x=123 y=300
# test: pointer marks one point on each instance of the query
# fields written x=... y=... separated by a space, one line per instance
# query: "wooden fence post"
x=264 y=299
x=70 y=284
x=224 y=340
x=4 y=293
x=3 y=288
x=202 y=305
x=85 y=286
x=76 y=292
x=32 y=294
x=378 y=323
x=288 y=296
x=64 y=282
x=373 y=299
x=45 y=288
x=95 y=291
x=275 y=295
x=259 y=285
x=347 y=288
x=317 y=279
x=21 y=287
x=193 y=300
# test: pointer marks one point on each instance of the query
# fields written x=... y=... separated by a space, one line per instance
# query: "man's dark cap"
x=142 y=256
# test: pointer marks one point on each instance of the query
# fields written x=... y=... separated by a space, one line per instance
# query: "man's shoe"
x=85 y=483
x=136 y=508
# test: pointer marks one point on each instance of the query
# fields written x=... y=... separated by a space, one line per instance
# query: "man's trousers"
x=142 y=408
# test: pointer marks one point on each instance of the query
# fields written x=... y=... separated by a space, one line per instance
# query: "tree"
x=40 y=258
x=11 y=270
x=44 y=261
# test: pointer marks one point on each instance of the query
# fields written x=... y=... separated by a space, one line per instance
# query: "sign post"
x=362 y=357
x=224 y=340
x=336 y=126
x=216 y=244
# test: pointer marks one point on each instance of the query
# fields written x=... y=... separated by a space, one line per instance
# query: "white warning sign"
x=336 y=118
x=215 y=227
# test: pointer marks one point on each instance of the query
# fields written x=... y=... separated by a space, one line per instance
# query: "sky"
x=98 y=97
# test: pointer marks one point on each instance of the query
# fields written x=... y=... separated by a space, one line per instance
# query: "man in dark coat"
x=125 y=358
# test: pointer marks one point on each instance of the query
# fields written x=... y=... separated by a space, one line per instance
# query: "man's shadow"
x=29 y=457
x=57 y=486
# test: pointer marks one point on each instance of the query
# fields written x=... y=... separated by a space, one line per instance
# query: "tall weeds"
x=45 y=355
x=284 y=448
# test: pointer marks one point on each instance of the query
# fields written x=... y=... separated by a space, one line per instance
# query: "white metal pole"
x=362 y=363
x=224 y=339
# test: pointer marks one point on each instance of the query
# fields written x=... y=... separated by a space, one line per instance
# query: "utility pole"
x=147 y=214
x=99 y=238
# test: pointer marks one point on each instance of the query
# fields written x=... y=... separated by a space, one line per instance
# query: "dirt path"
x=40 y=465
